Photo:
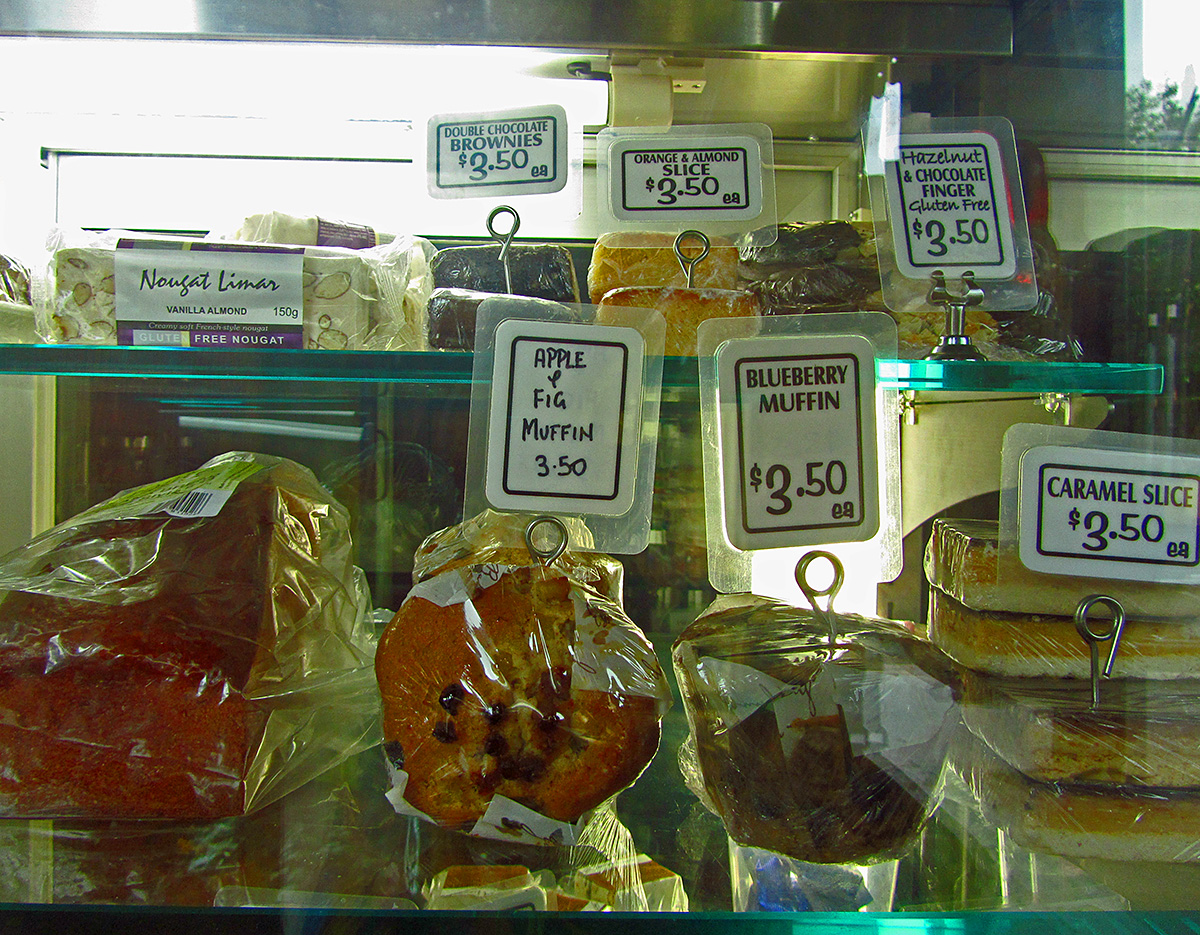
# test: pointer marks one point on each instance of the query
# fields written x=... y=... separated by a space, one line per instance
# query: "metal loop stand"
x=688 y=263
x=505 y=239
x=824 y=615
x=546 y=556
x=1094 y=638
x=955 y=344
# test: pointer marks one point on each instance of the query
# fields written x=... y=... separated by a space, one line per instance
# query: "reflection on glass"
x=1160 y=75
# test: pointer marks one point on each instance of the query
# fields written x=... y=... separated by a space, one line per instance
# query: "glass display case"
x=185 y=120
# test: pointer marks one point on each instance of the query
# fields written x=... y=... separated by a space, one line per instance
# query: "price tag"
x=200 y=294
x=565 y=417
x=948 y=200
x=1099 y=512
x=686 y=177
x=512 y=152
x=798 y=440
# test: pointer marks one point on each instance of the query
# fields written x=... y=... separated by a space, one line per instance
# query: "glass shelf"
x=99 y=919
x=442 y=367
x=1028 y=376
x=75 y=360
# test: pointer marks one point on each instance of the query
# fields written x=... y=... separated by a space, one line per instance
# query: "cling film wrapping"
x=516 y=699
x=538 y=271
x=1111 y=822
x=828 y=753
x=833 y=266
x=683 y=308
x=1143 y=733
x=1028 y=645
x=452 y=314
x=16 y=302
x=965 y=559
x=466 y=276
x=989 y=613
x=499 y=538
x=184 y=667
x=813 y=266
x=354 y=299
x=1087 y=770
x=621 y=259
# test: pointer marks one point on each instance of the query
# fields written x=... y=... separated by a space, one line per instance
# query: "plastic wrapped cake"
x=828 y=749
x=194 y=648
x=683 y=306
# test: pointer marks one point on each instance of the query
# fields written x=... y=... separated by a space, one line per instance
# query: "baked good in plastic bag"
x=17 y=325
x=539 y=271
x=452 y=314
x=489 y=888
x=832 y=266
x=826 y=753
x=645 y=886
x=172 y=654
x=502 y=887
x=515 y=700
x=621 y=259
x=15 y=283
x=918 y=331
x=1143 y=733
x=814 y=264
x=372 y=299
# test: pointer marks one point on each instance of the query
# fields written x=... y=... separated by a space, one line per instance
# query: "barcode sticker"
x=202 y=492
x=196 y=503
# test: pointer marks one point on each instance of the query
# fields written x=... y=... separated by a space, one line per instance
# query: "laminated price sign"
x=514 y=152
x=1107 y=513
x=565 y=417
x=949 y=206
x=797 y=430
x=703 y=176
x=711 y=177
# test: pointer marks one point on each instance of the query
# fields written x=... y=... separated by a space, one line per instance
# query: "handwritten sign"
x=948 y=199
x=565 y=417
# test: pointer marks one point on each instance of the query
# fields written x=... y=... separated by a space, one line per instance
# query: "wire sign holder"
x=955 y=343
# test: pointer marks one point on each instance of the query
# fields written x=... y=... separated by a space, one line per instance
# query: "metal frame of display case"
x=719 y=27
x=915 y=26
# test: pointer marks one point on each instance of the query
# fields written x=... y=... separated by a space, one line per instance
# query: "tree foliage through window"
x=1158 y=118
